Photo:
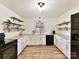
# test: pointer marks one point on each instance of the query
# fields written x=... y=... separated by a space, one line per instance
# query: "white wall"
x=5 y=13
x=49 y=24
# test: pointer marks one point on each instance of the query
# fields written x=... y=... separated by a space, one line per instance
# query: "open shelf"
x=17 y=24
x=6 y=22
x=64 y=23
x=14 y=18
x=11 y=25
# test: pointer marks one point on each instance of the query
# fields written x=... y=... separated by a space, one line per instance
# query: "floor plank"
x=41 y=52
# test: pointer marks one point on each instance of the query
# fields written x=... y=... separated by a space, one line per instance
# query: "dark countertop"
x=3 y=46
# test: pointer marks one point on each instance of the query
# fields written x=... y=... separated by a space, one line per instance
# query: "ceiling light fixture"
x=41 y=6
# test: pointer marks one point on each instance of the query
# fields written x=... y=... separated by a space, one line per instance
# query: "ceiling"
x=28 y=8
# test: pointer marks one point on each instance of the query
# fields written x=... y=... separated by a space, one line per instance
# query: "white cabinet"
x=62 y=44
x=37 y=40
x=30 y=40
x=22 y=42
x=68 y=51
x=34 y=40
x=55 y=40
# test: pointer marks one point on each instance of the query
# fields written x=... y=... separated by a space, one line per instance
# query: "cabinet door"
x=60 y=43
x=43 y=40
x=37 y=40
x=68 y=47
x=34 y=40
x=27 y=40
x=55 y=40
x=21 y=44
x=64 y=45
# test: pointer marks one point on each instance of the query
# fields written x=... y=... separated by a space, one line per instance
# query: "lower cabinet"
x=30 y=40
x=22 y=43
x=37 y=40
x=62 y=44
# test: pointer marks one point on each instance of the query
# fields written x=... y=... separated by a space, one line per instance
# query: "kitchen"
x=25 y=24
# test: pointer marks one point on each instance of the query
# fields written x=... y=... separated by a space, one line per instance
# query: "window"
x=39 y=27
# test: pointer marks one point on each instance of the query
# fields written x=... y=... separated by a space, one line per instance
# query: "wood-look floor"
x=41 y=52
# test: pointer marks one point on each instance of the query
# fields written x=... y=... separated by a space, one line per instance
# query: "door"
x=49 y=40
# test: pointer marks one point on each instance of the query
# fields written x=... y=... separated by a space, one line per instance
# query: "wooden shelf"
x=17 y=24
x=65 y=27
x=11 y=25
x=64 y=23
x=14 y=18
x=6 y=22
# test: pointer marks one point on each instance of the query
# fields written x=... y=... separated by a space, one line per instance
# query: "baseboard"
x=35 y=45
